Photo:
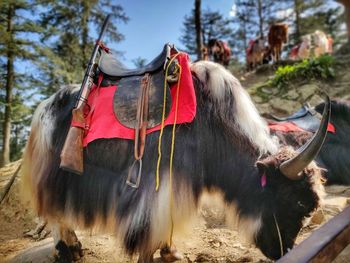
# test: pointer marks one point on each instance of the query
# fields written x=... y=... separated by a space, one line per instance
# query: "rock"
x=315 y=100
x=215 y=243
x=267 y=90
x=240 y=246
x=345 y=77
x=291 y=95
x=257 y=99
x=203 y=257
x=284 y=106
x=307 y=90
x=264 y=108
x=190 y=258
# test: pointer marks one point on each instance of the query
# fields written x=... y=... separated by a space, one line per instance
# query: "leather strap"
x=142 y=117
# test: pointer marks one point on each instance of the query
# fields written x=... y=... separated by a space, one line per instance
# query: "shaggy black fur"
x=210 y=153
x=335 y=153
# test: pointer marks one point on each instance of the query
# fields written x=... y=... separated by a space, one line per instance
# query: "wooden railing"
x=324 y=244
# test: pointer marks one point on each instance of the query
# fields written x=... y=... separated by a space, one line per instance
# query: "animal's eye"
x=301 y=204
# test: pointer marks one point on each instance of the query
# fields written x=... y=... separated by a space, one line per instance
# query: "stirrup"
x=138 y=179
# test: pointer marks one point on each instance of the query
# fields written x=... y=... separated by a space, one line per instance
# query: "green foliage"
x=21 y=117
x=251 y=20
x=69 y=37
x=320 y=68
x=19 y=33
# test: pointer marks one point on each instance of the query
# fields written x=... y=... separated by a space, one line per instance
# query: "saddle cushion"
x=291 y=126
x=101 y=120
x=127 y=95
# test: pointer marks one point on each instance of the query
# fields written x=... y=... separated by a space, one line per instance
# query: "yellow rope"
x=172 y=157
x=172 y=143
x=163 y=119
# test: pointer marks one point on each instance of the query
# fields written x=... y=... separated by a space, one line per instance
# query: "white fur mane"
x=246 y=114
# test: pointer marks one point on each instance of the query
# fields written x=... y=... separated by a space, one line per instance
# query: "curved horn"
x=292 y=167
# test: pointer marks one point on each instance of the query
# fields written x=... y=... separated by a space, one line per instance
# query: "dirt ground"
x=207 y=241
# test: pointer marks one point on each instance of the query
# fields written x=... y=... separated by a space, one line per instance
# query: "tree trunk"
x=5 y=155
x=347 y=17
x=297 y=20
x=86 y=8
x=348 y=21
x=245 y=40
x=346 y=4
x=197 y=20
x=261 y=19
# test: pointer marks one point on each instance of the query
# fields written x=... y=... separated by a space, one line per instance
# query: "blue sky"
x=155 y=22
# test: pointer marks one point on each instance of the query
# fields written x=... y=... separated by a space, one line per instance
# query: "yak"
x=269 y=191
x=334 y=155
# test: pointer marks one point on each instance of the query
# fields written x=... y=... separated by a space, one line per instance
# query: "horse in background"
x=277 y=36
x=220 y=51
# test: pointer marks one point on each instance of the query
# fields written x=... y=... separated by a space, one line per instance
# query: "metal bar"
x=324 y=244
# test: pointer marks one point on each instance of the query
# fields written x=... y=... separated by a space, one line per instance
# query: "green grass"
x=320 y=68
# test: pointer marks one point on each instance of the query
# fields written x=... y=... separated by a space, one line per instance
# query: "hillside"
x=290 y=97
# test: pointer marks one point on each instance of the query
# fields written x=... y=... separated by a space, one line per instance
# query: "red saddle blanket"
x=102 y=123
x=291 y=127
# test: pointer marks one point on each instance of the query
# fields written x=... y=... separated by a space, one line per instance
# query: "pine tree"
x=263 y=15
x=311 y=15
x=251 y=20
x=213 y=25
x=70 y=25
x=139 y=62
x=17 y=29
x=306 y=22
x=243 y=30
x=188 y=36
x=197 y=19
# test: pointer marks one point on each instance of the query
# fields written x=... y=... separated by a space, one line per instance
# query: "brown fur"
x=278 y=34
x=256 y=54
x=220 y=51
x=204 y=53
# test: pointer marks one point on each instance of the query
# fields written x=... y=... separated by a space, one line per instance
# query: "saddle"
x=110 y=66
x=306 y=118
x=141 y=96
